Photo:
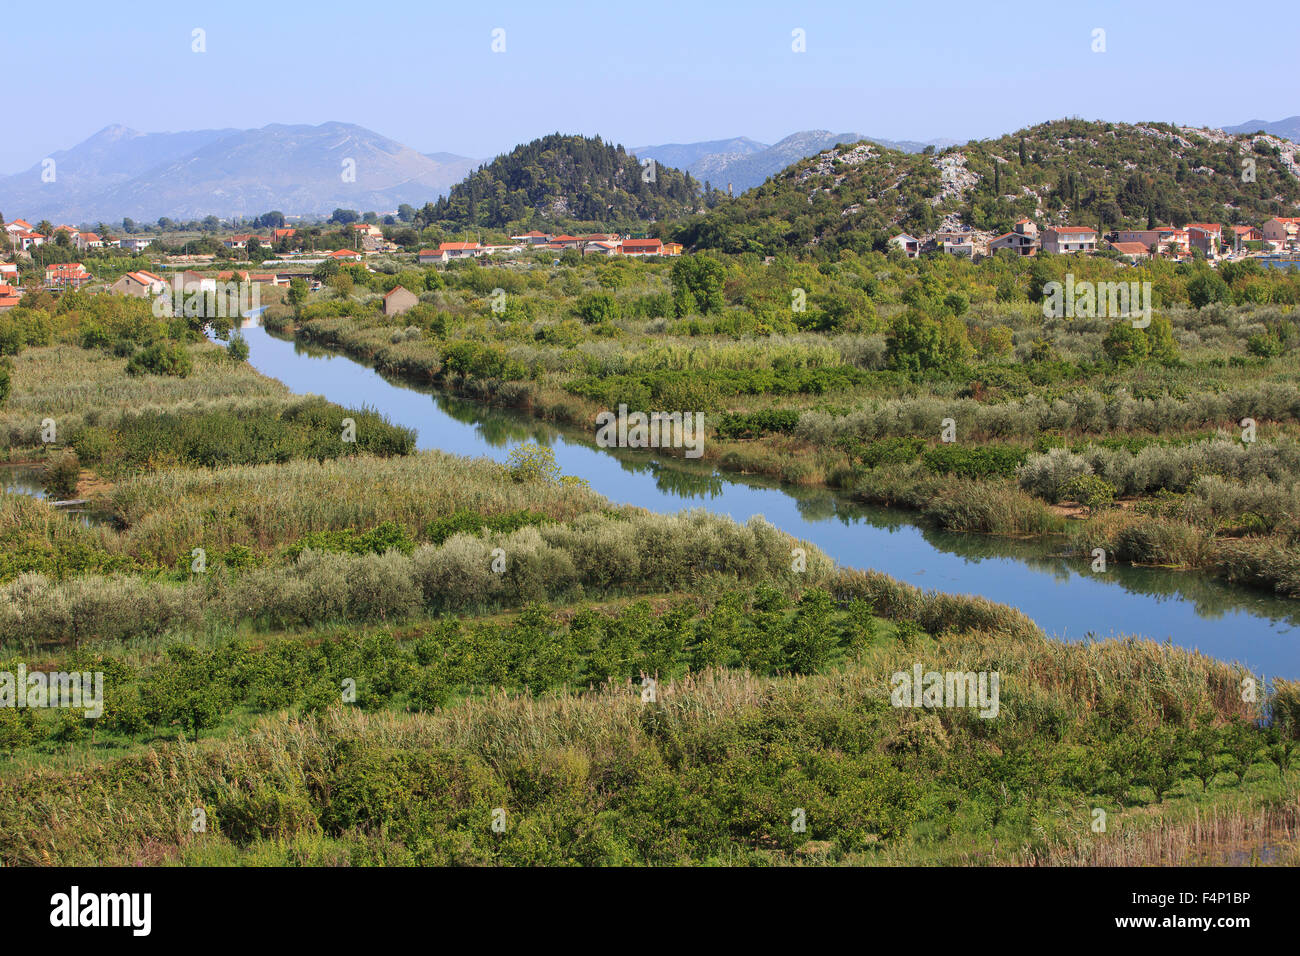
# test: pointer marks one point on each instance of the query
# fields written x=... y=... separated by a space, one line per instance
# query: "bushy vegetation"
x=61 y=475
x=353 y=581
x=252 y=433
x=695 y=774
x=160 y=359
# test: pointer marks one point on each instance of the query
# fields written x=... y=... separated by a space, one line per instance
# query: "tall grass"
x=76 y=386
x=695 y=777
x=269 y=506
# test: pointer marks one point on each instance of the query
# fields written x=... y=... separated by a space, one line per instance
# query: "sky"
x=639 y=73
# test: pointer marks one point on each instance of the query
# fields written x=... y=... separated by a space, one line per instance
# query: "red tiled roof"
x=144 y=278
x=453 y=246
x=1130 y=248
x=65 y=269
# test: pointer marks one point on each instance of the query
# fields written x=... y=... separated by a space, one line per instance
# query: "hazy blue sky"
x=636 y=72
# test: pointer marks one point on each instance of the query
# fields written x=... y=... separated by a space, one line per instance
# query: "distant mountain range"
x=1288 y=128
x=744 y=163
x=299 y=170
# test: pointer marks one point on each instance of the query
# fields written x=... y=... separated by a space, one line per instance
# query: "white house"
x=910 y=245
x=136 y=243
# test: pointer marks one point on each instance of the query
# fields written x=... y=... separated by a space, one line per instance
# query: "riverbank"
x=1067 y=597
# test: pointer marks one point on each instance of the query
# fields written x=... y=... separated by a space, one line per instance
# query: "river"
x=1064 y=596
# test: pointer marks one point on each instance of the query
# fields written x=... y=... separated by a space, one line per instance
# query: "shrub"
x=1265 y=345
x=465 y=521
x=1125 y=345
x=897 y=450
x=1092 y=492
x=161 y=359
x=237 y=350
x=531 y=462
x=980 y=461
x=61 y=475
x=383 y=537
x=1047 y=475
x=597 y=307
x=1206 y=288
x=756 y=424
x=22 y=327
x=919 y=343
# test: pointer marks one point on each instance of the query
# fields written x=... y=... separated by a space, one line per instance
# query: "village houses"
x=1022 y=239
x=66 y=275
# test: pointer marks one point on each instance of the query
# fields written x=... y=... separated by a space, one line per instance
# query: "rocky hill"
x=1104 y=175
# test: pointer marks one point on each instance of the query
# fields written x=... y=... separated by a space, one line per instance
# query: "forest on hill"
x=561 y=179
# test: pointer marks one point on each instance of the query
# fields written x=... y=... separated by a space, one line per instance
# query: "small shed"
x=399 y=300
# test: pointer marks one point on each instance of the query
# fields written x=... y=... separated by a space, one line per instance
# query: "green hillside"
x=561 y=179
x=1106 y=175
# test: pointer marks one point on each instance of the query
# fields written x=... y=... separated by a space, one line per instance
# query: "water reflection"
x=29 y=480
x=22 y=480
